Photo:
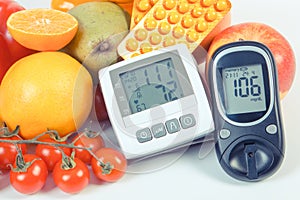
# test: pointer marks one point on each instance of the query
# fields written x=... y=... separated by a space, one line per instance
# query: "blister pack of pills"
x=169 y=22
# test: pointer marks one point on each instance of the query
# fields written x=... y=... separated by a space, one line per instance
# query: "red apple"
x=279 y=46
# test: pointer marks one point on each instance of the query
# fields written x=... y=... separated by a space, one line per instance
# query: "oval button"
x=271 y=129
x=224 y=133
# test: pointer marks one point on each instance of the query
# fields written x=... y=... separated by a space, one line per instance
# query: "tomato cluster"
x=69 y=159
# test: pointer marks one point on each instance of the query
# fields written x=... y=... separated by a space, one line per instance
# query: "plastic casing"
x=249 y=152
x=125 y=127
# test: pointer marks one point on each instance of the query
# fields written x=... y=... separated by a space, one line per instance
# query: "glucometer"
x=156 y=101
x=246 y=110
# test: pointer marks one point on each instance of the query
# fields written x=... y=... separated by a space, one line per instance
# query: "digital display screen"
x=244 y=89
x=151 y=85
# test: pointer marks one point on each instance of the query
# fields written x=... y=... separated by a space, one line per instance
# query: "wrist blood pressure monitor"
x=246 y=110
x=156 y=101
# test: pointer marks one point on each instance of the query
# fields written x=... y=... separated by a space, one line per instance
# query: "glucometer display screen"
x=244 y=89
x=151 y=85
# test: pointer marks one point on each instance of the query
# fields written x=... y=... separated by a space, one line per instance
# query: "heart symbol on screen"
x=136 y=101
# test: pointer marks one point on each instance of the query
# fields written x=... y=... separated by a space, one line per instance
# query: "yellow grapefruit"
x=46 y=90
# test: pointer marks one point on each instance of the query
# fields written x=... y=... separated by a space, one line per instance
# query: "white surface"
x=190 y=177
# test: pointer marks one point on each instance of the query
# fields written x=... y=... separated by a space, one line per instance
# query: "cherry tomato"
x=50 y=154
x=88 y=139
x=13 y=50
x=115 y=158
x=8 y=151
x=71 y=179
x=33 y=178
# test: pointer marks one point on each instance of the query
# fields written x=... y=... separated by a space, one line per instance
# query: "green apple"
x=102 y=26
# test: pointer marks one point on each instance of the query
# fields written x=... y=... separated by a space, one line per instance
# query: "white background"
x=190 y=177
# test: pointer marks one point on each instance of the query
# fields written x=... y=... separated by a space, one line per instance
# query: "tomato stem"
x=106 y=167
x=5 y=133
x=21 y=165
x=67 y=161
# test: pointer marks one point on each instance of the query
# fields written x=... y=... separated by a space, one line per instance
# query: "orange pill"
x=196 y=12
x=138 y=18
x=173 y=17
x=155 y=38
x=140 y=34
x=192 y=1
x=169 y=41
x=143 y=5
x=145 y=48
x=150 y=24
x=211 y=16
x=159 y=13
x=178 y=32
x=153 y=2
x=169 y=4
x=183 y=7
x=131 y=44
x=164 y=28
x=192 y=36
x=134 y=55
x=201 y=26
x=207 y=3
x=187 y=21
x=221 y=5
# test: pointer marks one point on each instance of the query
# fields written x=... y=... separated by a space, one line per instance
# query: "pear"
x=102 y=26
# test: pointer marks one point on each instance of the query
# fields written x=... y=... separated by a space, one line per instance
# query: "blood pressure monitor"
x=246 y=110
x=156 y=101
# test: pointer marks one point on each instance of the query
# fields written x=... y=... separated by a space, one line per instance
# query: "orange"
x=42 y=29
x=46 y=90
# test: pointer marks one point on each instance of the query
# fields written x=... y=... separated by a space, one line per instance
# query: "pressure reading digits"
x=159 y=79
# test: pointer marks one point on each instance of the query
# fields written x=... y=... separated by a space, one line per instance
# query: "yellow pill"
x=187 y=21
x=153 y=2
x=155 y=38
x=143 y=5
x=201 y=26
x=150 y=24
x=159 y=13
x=131 y=44
x=192 y=36
x=145 y=47
x=183 y=7
x=192 y=1
x=169 y=41
x=135 y=54
x=207 y=3
x=173 y=17
x=211 y=16
x=138 y=18
x=140 y=34
x=178 y=32
x=221 y=5
x=197 y=11
x=164 y=28
x=169 y=4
